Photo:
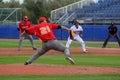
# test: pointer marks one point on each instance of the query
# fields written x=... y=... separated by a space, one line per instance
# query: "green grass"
x=82 y=60
x=94 y=44
x=26 y=43
x=64 y=77
x=14 y=43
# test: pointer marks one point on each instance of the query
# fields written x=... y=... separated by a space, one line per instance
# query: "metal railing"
x=57 y=15
x=10 y=15
x=99 y=18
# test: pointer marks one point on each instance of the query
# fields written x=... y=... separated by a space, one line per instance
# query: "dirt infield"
x=46 y=69
x=29 y=51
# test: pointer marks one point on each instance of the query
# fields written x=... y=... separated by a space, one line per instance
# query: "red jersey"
x=24 y=25
x=43 y=31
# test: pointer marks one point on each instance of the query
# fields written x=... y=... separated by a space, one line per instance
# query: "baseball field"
x=97 y=64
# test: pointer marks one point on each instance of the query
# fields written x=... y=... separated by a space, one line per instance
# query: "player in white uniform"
x=77 y=29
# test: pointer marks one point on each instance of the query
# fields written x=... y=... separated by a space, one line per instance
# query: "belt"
x=49 y=40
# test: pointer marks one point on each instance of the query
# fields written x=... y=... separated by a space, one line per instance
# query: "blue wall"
x=8 y=31
x=97 y=33
x=91 y=32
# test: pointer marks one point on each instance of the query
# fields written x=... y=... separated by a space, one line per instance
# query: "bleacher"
x=103 y=12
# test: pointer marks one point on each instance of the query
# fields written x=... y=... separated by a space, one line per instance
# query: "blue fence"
x=90 y=33
x=8 y=31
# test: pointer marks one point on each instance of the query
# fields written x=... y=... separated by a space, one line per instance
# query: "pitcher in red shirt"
x=24 y=24
x=44 y=32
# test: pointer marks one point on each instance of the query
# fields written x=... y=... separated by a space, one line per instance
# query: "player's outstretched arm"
x=65 y=28
x=70 y=31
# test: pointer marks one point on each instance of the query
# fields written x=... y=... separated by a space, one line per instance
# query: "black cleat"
x=103 y=47
x=19 y=49
x=26 y=63
x=34 y=48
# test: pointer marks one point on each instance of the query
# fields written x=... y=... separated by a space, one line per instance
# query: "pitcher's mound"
x=46 y=69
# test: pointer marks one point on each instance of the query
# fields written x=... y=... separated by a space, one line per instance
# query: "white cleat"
x=71 y=60
x=85 y=51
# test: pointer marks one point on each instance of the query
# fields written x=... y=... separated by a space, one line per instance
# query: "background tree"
x=11 y=4
x=36 y=8
x=1 y=0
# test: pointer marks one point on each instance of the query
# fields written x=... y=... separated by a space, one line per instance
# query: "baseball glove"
x=18 y=29
x=71 y=34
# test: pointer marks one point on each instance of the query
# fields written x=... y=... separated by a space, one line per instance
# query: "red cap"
x=41 y=19
x=25 y=17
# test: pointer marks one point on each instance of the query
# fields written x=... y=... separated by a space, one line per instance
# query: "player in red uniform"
x=44 y=32
x=24 y=24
